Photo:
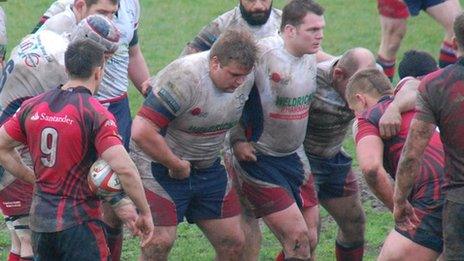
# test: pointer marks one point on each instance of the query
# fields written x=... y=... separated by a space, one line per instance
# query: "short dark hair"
x=458 y=28
x=82 y=57
x=416 y=63
x=92 y=2
x=295 y=11
x=369 y=81
x=237 y=45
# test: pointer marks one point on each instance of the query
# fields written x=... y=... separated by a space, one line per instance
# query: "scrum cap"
x=99 y=29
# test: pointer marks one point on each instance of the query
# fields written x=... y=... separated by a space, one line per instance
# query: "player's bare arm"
x=147 y=136
x=121 y=163
x=138 y=69
x=405 y=100
x=10 y=159
x=369 y=151
x=419 y=135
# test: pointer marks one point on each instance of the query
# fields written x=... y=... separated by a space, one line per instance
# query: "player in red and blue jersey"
x=369 y=94
x=439 y=104
x=66 y=129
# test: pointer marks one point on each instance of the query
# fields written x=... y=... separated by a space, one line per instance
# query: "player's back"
x=431 y=177
x=61 y=129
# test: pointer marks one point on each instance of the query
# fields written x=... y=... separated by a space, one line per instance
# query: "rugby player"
x=273 y=177
x=35 y=66
x=393 y=19
x=65 y=130
x=328 y=122
x=181 y=127
x=126 y=63
x=438 y=104
x=368 y=93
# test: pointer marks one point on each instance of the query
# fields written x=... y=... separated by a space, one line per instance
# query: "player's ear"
x=361 y=99
x=214 y=63
x=80 y=6
x=338 y=74
x=290 y=30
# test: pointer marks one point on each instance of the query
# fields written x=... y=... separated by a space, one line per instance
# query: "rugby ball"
x=102 y=180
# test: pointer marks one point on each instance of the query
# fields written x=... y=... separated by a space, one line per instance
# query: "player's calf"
x=160 y=245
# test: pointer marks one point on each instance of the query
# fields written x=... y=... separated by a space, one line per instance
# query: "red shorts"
x=393 y=9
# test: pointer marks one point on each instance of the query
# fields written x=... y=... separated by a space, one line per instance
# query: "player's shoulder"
x=57 y=7
x=269 y=44
x=62 y=23
x=231 y=15
x=185 y=72
x=39 y=47
x=276 y=13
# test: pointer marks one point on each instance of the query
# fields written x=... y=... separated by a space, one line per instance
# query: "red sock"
x=280 y=256
x=447 y=54
x=354 y=253
x=388 y=66
x=114 y=242
x=14 y=257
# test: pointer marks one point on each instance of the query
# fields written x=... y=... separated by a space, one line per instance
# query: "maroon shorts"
x=16 y=197
x=393 y=9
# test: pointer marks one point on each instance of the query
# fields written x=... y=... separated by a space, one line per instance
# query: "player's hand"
x=244 y=151
x=145 y=226
x=181 y=170
x=146 y=88
x=127 y=212
x=405 y=216
x=390 y=122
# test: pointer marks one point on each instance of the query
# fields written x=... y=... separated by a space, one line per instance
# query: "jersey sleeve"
x=208 y=35
x=365 y=128
x=106 y=133
x=424 y=106
x=171 y=96
x=13 y=128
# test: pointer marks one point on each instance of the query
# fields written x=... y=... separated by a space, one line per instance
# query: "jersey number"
x=48 y=143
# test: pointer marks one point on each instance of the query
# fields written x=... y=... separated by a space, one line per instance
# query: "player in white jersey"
x=181 y=126
x=257 y=16
x=127 y=62
x=273 y=176
x=35 y=66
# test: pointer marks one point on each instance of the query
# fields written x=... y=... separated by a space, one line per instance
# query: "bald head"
x=356 y=59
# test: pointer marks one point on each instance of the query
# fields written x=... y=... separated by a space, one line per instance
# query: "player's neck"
x=73 y=83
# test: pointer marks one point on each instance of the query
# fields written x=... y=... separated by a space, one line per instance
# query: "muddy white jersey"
x=233 y=18
x=193 y=112
x=329 y=116
x=35 y=66
x=286 y=85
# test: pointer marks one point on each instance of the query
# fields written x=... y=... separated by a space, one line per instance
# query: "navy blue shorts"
x=415 y=6
x=333 y=177
x=121 y=111
x=206 y=194
x=78 y=243
x=272 y=184
x=429 y=232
